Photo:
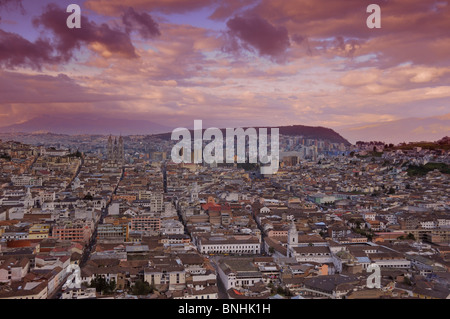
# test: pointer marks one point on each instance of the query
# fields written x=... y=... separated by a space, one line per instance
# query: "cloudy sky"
x=230 y=63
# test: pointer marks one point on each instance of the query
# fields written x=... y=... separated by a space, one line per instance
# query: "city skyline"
x=231 y=64
x=231 y=152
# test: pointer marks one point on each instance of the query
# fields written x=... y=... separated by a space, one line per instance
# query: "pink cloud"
x=67 y=40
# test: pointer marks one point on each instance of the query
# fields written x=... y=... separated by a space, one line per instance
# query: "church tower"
x=120 y=151
x=110 y=149
x=194 y=192
x=28 y=200
x=292 y=237
x=115 y=150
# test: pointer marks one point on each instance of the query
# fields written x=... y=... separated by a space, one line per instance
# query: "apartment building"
x=165 y=271
x=112 y=232
x=14 y=269
x=39 y=231
x=78 y=231
x=146 y=222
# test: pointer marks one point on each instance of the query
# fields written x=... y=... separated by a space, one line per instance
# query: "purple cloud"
x=17 y=51
x=67 y=40
x=258 y=34
x=140 y=22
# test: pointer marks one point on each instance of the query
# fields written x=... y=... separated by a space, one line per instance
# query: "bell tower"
x=293 y=235
x=292 y=238
x=110 y=148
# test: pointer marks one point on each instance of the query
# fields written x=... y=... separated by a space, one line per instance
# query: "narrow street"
x=221 y=287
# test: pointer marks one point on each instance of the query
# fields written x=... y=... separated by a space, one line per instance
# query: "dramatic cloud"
x=257 y=33
x=17 y=51
x=102 y=37
x=141 y=22
x=411 y=30
x=116 y=7
x=59 y=45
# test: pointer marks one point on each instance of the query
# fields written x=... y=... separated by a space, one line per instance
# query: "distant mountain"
x=404 y=130
x=308 y=132
x=317 y=132
x=85 y=124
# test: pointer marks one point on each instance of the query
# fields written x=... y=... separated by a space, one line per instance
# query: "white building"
x=171 y=227
x=24 y=180
x=79 y=293
x=317 y=254
x=228 y=244
x=239 y=272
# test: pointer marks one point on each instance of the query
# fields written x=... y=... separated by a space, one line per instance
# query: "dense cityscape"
x=224 y=158
x=113 y=217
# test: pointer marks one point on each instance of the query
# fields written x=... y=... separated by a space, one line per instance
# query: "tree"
x=141 y=288
x=410 y=237
x=280 y=290
x=407 y=281
x=101 y=285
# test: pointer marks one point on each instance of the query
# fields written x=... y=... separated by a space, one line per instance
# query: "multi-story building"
x=318 y=254
x=152 y=200
x=39 y=231
x=78 y=231
x=171 y=227
x=24 y=180
x=165 y=271
x=229 y=244
x=112 y=232
x=14 y=269
x=14 y=236
x=146 y=222
x=239 y=272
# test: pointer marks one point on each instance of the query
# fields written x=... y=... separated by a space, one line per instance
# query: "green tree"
x=141 y=288
x=280 y=290
x=101 y=285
